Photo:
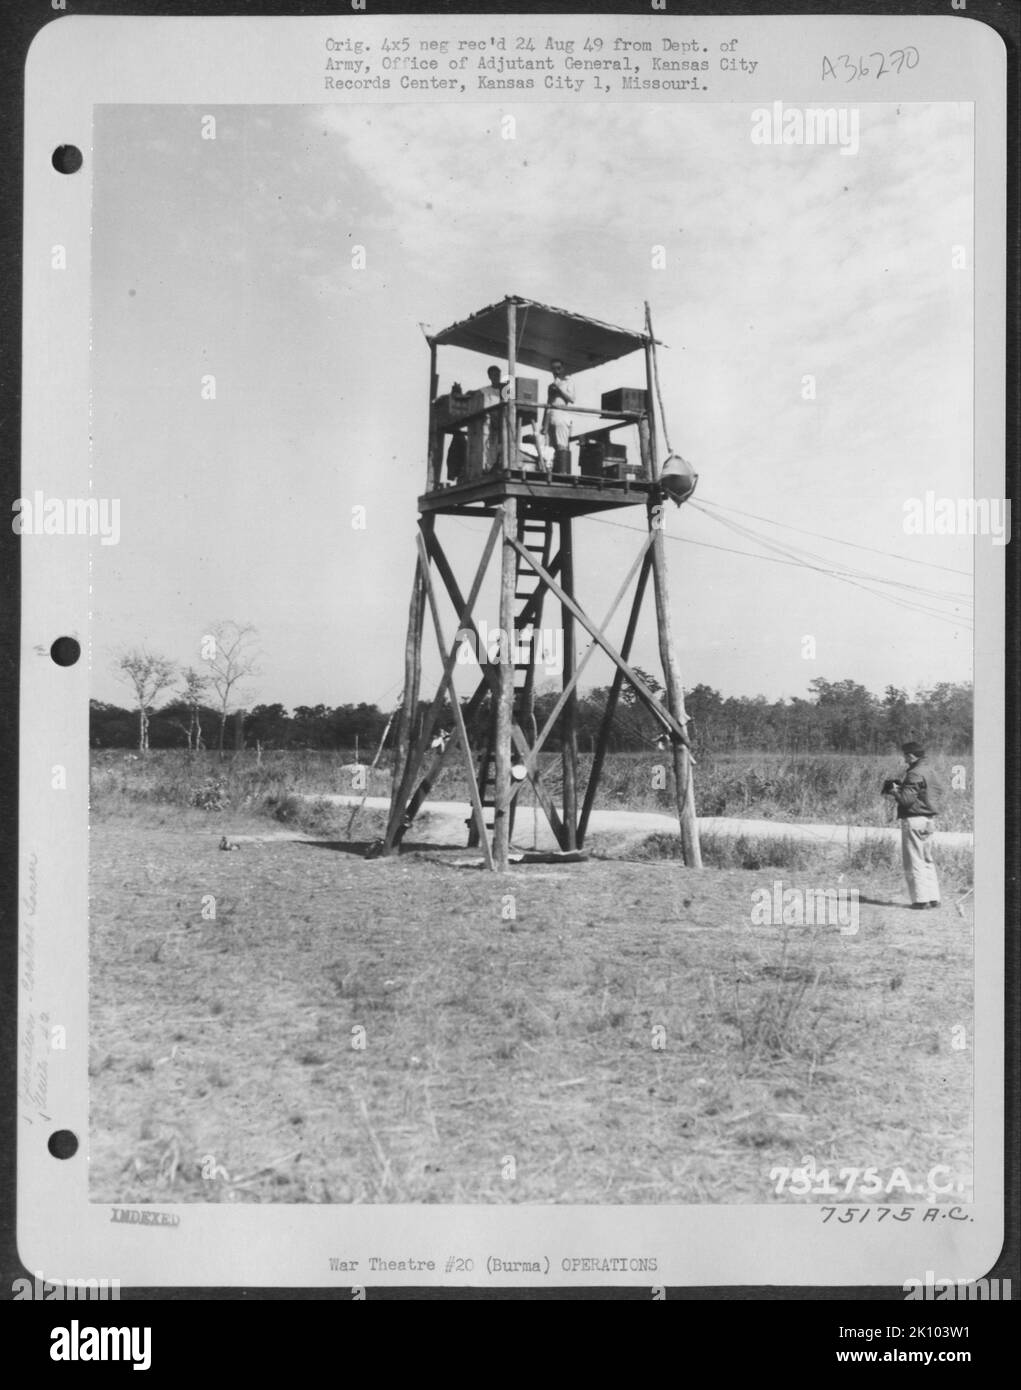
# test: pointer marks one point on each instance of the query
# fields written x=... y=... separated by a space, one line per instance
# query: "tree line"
x=837 y=716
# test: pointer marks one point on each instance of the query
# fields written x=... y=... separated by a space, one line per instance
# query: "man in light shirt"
x=492 y=423
x=556 y=423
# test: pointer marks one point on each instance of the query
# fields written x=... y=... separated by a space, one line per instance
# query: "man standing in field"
x=919 y=799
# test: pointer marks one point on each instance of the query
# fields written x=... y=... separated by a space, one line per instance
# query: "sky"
x=232 y=257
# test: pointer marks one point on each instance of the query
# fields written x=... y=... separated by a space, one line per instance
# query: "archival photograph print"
x=531 y=649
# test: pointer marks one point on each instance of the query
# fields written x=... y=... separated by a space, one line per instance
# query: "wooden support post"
x=647 y=424
x=509 y=414
x=505 y=691
x=606 y=724
x=683 y=781
x=643 y=446
x=675 y=699
x=568 y=726
x=434 y=466
x=403 y=772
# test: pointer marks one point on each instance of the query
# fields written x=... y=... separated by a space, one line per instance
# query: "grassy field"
x=841 y=788
x=407 y=1030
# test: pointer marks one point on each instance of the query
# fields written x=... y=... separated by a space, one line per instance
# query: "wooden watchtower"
x=489 y=456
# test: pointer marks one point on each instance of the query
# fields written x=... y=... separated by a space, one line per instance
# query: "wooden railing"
x=527 y=413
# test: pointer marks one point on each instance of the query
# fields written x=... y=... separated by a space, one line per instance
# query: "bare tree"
x=228 y=650
x=191 y=694
x=149 y=675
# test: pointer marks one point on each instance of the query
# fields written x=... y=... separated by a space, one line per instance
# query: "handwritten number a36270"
x=869 y=65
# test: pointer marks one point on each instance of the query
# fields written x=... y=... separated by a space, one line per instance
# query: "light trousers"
x=916 y=837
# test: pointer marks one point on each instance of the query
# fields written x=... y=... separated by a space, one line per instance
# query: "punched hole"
x=62 y=1143
x=66 y=651
x=67 y=159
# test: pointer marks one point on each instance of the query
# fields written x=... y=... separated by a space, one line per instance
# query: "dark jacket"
x=919 y=794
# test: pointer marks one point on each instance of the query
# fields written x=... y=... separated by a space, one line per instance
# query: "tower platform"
x=560 y=495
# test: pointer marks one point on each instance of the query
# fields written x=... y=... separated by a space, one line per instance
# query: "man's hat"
x=913 y=750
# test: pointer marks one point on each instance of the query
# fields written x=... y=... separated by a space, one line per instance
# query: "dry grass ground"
x=511 y=1051
x=827 y=787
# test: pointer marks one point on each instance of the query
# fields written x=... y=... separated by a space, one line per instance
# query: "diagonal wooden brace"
x=409 y=809
x=641 y=689
x=603 y=737
x=394 y=830
x=455 y=705
x=565 y=694
x=491 y=679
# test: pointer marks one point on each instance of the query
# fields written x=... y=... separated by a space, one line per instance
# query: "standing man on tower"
x=492 y=422
x=556 y=423
x=919 y=799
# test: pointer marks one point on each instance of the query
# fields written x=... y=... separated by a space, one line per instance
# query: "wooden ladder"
x=535 y=534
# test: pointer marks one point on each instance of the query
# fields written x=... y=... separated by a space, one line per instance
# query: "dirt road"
x=446 y=826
